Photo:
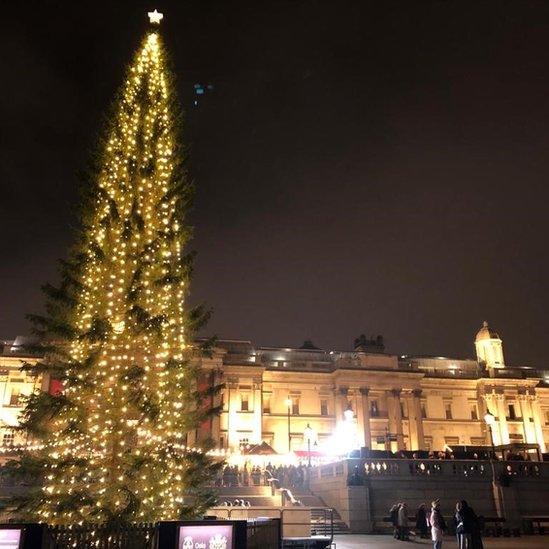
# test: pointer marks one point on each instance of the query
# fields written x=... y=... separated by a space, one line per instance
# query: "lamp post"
x=349 y=417
x=308 y=435
x=349 y=414
x=289 y=407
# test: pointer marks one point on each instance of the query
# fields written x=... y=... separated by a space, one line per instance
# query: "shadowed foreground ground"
x=355 y=541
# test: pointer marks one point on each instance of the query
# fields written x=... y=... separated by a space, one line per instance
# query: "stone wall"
x=363 y=491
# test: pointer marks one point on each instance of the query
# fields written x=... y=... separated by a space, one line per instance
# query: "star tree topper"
x=155 y=17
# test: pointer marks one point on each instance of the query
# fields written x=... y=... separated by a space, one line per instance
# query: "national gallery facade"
x=320 y=401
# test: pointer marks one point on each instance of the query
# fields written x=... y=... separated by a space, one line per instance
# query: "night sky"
x=360 y=167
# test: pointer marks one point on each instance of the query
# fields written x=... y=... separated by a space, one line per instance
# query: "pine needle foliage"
x=114 y=438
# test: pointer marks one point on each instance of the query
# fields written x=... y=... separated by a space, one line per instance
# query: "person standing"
x=393 y=516
x=438 y=525
x=463 y=525
x=472 y=526
x=421 y=521
x=403 y=521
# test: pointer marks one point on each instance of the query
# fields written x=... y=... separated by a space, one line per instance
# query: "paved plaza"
x=356 y=541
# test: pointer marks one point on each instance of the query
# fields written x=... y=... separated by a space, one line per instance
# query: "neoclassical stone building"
x=332 y=401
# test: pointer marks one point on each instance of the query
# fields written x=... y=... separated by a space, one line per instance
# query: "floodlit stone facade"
x=341 y=400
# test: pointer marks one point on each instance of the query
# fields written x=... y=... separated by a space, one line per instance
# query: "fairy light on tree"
x=114 y=438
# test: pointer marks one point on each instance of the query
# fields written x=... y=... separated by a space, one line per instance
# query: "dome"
x=486 y=333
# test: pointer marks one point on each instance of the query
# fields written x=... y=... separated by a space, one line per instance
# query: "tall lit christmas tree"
x=114 y=434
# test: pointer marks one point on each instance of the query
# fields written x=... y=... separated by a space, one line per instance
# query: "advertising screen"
x=206 y=536
x=10 y=538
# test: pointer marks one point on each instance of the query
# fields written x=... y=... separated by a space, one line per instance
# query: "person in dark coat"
x=467 y=527
x=476 y=530
x=422 y=527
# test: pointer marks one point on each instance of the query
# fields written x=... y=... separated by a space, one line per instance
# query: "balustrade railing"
x=357 y=469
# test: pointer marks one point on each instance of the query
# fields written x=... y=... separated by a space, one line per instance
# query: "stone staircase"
x=262 y=497
x=320 y=516
x=258 y=496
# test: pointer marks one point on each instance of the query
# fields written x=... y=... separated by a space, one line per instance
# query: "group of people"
x=236 y=503
x=431 y=523
x=287 y=476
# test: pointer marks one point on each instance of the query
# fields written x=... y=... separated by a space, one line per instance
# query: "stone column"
x=258 y=412
x=538 y=422
x=502 y=414
x=341 y=403
x=395 y=417
x=232 y=416
x=216 y=401
x=526 y=413
x=415 y=421
x=492 y=408
x=365 y=400
x=482 y=411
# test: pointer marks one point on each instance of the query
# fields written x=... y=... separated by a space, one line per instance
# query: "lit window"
x=15 y=396
x=8 y=439
x=374 y=410
x=323 y=407
x=474 y=411
x=244 y=402
x=295 y=406
x=266 y=403
x=448 y=410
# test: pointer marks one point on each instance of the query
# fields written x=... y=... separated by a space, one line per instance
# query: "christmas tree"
x=119 y=337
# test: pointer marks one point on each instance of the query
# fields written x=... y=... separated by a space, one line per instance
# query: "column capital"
x=232 y=382
x=396 y=392
x=417 y=392
x=364 y=391
x=343 y=391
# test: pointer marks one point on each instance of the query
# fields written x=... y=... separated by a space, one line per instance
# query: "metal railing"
x=263 y=534
x=320 y=521
x=135 y=536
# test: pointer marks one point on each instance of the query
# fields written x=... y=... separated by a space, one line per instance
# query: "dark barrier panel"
x=218 y=534
x=21 y=536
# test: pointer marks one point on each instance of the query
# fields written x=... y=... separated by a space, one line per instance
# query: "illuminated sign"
x=205 y=536
x=10 y=538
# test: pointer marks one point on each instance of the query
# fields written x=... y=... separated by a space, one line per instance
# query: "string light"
x=131 y=411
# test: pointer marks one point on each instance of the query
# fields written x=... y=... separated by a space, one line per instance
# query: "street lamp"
x=308 y=433
x=349 y=414
x=288 y=402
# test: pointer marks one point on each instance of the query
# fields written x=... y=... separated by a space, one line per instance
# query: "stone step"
x=243 y=491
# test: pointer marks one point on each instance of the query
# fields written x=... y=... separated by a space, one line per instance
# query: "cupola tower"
x=489 y=347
